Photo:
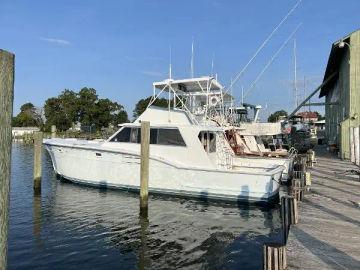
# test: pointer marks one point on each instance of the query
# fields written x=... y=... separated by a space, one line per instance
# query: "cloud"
x=56 y=41
x=152 y=73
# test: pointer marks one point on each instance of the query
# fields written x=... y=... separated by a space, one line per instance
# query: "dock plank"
x=328 y=233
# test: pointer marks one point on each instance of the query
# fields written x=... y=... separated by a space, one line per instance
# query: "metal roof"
x=333 y=65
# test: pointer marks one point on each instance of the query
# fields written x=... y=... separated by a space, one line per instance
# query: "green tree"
x=69 y=100
x=84 y=107
x=29 y=116
x=56 y=115
x=142 y=104
x=106 y=112
x=87 y=98
x=277 y=115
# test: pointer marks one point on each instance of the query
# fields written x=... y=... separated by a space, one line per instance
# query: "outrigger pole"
x=271 y=60
x=312 y=94
x=262 y=46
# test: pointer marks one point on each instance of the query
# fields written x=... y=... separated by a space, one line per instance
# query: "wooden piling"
x=289 y=214
x=144 y=166
x=274 y=256
x=53 y=131
x=293 y=208
x=285 y=218
x=38 y=137
x=308 y=179
x=297 y=190
x=7 y=70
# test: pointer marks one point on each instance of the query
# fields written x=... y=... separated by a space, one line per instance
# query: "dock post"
x=293 y=208
x=289 y=214
x=38 y=137
x=144 y=166
x=285 y=218
x=307 y=179
x=274 y=256
x=7 y=70
x=53 y=131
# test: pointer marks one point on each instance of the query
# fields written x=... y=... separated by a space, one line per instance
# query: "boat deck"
x=328 y=233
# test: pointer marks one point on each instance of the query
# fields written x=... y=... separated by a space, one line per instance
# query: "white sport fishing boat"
x=205 y=99
x=187 y=158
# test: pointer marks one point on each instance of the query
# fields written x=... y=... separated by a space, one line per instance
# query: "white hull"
x=288 y=164
x=93 y=164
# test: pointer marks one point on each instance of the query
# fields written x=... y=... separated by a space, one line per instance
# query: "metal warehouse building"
x=342 y=96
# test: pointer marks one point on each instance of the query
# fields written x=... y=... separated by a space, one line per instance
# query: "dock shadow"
x=322 y=250
x=335 y=214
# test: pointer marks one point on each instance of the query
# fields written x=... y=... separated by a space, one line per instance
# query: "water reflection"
x=80 y=226
x=37 y=218
x=144 y=260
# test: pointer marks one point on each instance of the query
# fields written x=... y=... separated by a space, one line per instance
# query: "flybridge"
x=191 y=85
x=201 y=97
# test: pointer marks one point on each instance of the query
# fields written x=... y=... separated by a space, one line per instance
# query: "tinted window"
x=122 y=136
x=157 y=136
x=170 y=137
x=153 y=135
x=208 y=140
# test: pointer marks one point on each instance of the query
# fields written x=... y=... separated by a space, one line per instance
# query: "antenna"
x=265 y=41
x=170 y=71
x=242 y=95
x=295 y=77
x=192 y=58
x=212 y=66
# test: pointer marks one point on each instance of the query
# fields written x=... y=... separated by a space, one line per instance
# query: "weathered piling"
x=53 y=131
x=144 y=166
x=38 y=137
x=289 y=214
x=311 y=158
x=7 y=70
x=274 y=256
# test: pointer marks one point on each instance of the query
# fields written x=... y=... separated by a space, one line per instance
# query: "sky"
x=121 y=47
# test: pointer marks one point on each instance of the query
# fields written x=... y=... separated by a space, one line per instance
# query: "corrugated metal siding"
x=346 y=91
x=335 y=114
x=355 y=79
x=345 y=139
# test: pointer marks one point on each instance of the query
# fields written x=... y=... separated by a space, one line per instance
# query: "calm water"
x=74 y=227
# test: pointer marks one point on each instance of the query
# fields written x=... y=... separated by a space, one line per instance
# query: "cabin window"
x=162 y=136
x=170 y=137
x=122 y=136
x=153 y=135
x=135 y=135
x=208 y=141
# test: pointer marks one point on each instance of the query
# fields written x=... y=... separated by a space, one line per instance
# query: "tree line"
x=84 y=107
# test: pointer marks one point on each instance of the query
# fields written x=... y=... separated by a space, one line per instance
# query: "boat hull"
x=288 y=164
x=116 y=169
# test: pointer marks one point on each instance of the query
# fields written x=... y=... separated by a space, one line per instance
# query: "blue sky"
x=120 y=48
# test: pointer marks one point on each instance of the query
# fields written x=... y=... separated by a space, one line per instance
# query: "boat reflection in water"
x=176 y=233
x=72 y=226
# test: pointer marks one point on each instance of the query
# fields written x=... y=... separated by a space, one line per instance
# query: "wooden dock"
x=328 y=233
